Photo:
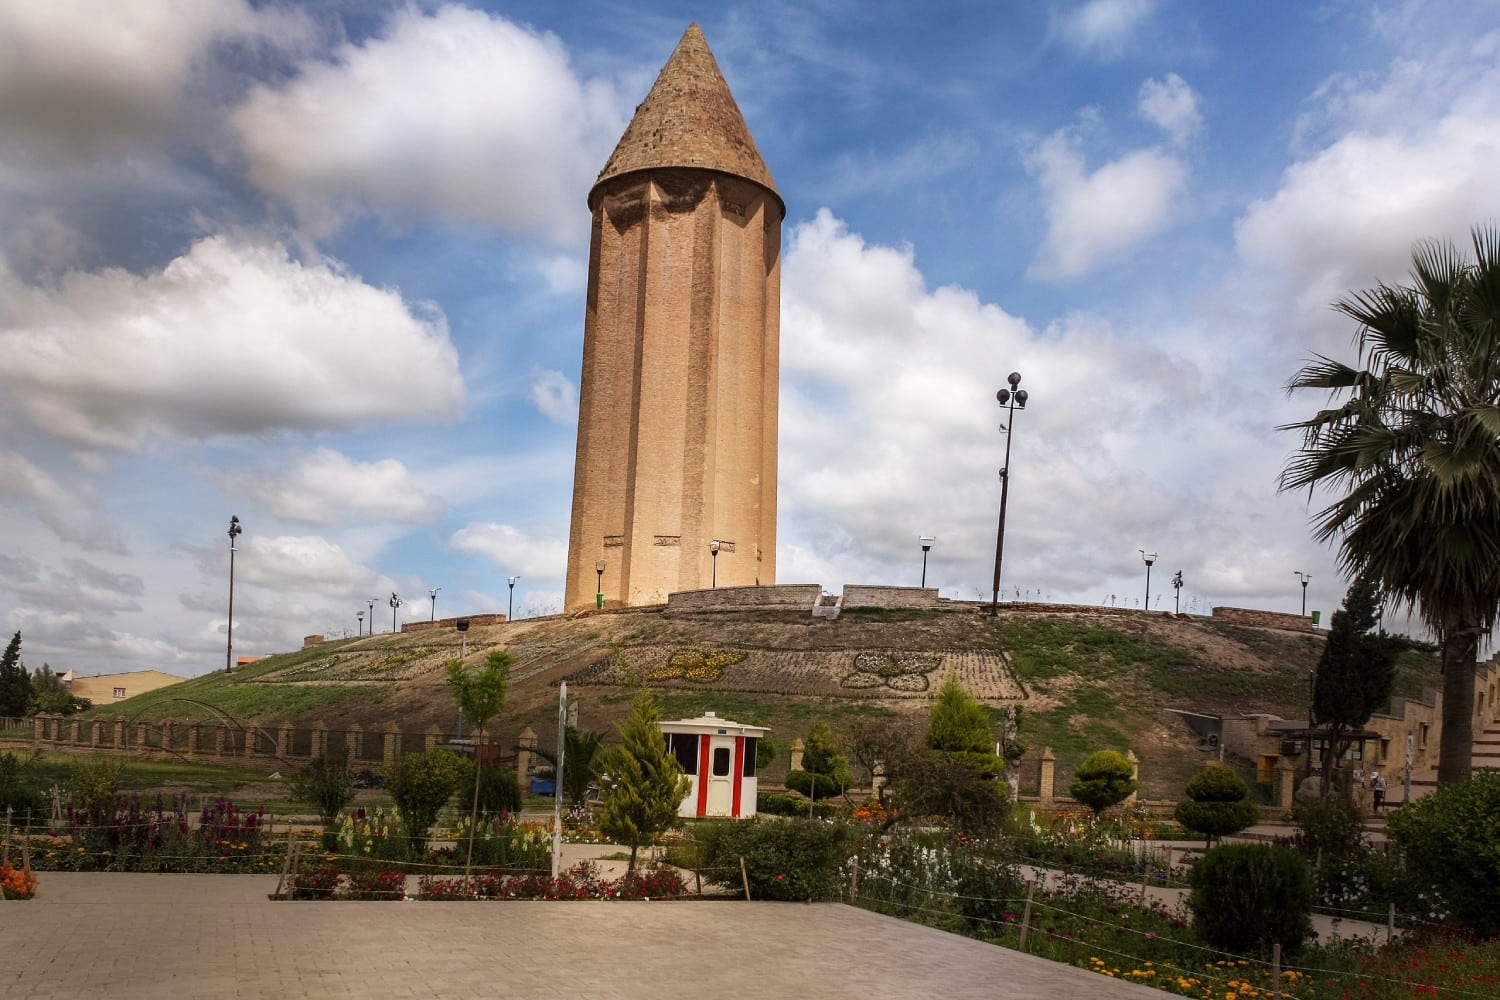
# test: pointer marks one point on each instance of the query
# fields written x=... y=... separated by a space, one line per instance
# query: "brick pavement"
x=120 y=935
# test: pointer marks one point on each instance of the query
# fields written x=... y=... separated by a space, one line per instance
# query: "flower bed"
x=17 y=883
x=579 y=882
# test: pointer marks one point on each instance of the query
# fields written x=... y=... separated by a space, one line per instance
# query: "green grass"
x=1046 y=648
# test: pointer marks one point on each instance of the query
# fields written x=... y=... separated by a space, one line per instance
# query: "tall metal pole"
x=234 y=532
x=372 y=615
x=926 y=541
x=510 y=608
x=1150 y=558
x=557 y=779
x=433 y=617
x=395 y=603
x=1304 y=577
x=1010 y=398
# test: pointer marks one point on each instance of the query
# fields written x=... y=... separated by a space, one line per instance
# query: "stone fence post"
x=798 y=748
x=96 y=733
x=356 y=743
x=390 y=744
x=38 y=728
x=168 y=734
x=195 y=739
x=1049 y=775
x=284 y=742
x=142 y=736
x=1135 y=774
x=320 y=739
x=431 y=737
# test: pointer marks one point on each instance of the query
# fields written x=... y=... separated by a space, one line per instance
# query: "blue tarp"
x=543 y=786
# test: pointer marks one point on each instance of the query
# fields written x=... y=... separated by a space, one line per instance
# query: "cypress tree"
x=647 y=782
x=15 y=681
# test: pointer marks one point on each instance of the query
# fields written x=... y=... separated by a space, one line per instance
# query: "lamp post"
x=434 y=592
x=371 y=602
x=1304 y=577
x=926 y=542
x=510 y=609
x=234 y=532
x=599 y=593
x=395 y=603
x=1177 y=592
x=713 y=551
x=1009 y=398
x=1150 y=558
x=360 y=629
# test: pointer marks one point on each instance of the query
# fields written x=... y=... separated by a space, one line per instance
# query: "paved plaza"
x=125 y=935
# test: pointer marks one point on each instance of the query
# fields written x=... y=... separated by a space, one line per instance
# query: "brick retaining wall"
x=1264 y=619
x=863 y=596
x=792 y=596
x=473 y=620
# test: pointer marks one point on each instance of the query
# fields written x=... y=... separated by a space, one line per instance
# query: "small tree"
x=15 y=682
x=1356 y=673
x=582 y=755
x=50 y=694
x=887 y=745
x=960 y=726
x=1102 y=780
x=480 y=696
x=648 y=784
x=1216 y=804
x=325 y=784
x=825 y=769
x=19 y=791
x=1452 y=837
x=1248 y=897
x=421 y=784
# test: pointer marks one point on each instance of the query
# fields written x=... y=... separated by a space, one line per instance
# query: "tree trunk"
x=1460 y=661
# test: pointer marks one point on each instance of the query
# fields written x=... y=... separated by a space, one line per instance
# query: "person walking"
x=1377 y=790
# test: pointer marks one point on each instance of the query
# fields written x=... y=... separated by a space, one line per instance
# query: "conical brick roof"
x=689 y=119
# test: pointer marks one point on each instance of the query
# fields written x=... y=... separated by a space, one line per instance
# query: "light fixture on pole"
x=510 y=609
x=1304 y=577
x=371 y=602
x=599 y=591
x=234 y=532
x=434 y=593
x=926 y=542
x=360 y=629
x=1177 y=592
x=395 y=603
x=1009 y=398
x=713 y=551
x=1150 y=558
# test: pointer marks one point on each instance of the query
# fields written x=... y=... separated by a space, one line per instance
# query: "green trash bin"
x=1317 y=617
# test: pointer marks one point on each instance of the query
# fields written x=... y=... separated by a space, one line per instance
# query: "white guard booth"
x=718 y=756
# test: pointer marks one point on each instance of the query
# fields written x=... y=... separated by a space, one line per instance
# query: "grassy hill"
x=1087 y=680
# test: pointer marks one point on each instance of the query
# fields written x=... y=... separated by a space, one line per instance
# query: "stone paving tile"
x=107 y=935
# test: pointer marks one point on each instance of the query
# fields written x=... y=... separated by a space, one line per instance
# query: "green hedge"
x=786 y=859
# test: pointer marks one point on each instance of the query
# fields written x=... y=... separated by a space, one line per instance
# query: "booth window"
x=747 y=770
x=721 y=761
x=684 y=747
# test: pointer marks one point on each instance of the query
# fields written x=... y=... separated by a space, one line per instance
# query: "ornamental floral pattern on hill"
x=845 y=673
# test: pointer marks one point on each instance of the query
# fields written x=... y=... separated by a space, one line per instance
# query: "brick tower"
x=677 y=408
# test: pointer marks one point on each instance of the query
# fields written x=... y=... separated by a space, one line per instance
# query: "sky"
x=321 y=266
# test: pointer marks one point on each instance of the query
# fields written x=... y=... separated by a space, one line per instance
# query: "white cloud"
x=232 y=337
x=1347 y=214
x=1173 y=105
x=1104 y=27
x=327 y=487
x=513 y=551
x=20 y=477
x=555 y=397
x=75 y=78
x=889 y=430
x=1092 y=217
x=301 y=563
x=455 y=114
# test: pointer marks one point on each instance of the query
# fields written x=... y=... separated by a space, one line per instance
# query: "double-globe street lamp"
x=395 y=603
x=234 y=532
x=1009 y=398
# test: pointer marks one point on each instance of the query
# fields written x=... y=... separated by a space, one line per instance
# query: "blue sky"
x=322 y=265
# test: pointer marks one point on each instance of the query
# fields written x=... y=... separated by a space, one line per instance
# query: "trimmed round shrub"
x=1215 y=804
x=827 y=785
x=499 y=792
x=1102 y=780
x=1217 y=784
x=1452 y=838
x=1247 y=897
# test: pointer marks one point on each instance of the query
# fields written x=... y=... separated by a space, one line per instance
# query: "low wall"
x=862 y=596
x=1264 y=619
x=473 y=620
x=792 y=596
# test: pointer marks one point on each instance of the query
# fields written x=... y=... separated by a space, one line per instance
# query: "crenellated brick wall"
x=864 y=596
x=1264 y=619
x=791 y=596
x=474 y=621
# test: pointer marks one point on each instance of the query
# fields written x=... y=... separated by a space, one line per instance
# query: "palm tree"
x=581 y=759
x=1412 y=440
